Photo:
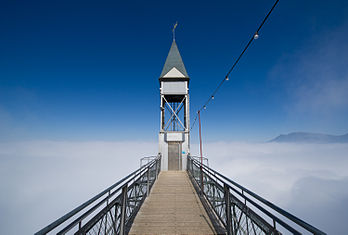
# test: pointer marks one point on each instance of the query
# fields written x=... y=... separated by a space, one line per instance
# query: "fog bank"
x=42 y=180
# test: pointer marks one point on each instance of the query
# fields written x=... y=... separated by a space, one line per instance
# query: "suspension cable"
x=226 y=78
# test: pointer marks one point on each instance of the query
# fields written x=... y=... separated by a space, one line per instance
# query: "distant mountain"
x=303 y=137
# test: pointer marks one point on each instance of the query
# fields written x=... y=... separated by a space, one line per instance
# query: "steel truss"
x=113 y=210
x=239 y=210
x=174 y=123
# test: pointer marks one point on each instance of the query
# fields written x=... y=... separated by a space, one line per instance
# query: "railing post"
x=160 y=164
x=228 y=210
x=191 y=167
x=148 y=182
x=123 y=209
x=156 y=169
x=202 y=184
x=106 y=214
x=115 y=221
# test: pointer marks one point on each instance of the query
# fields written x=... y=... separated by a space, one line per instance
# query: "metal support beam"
x=123 y=209
x=228 y=210
x=148 y=182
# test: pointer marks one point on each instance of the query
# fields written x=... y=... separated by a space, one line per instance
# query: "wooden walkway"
x=172 y=207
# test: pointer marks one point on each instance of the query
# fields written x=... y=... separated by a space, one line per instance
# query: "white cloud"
x=322 y=201
x=285 y=174
x=42 y=180
x=316 y=76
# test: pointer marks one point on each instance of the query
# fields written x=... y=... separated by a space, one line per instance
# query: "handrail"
x=148 y=159
x=84 y=205
x=197 y=158
x=284 y=213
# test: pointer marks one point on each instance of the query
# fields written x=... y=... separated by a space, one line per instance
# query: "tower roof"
x=174 y=67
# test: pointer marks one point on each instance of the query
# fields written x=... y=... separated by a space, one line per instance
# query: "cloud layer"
x=308 y=180
x=42 y=180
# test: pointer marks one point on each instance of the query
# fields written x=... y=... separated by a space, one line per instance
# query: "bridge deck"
x=172 y=207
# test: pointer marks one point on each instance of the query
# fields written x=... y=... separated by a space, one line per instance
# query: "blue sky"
x=79 y=86
x=87 y=70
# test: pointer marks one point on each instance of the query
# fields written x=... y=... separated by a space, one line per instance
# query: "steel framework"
x=237 y=209
x=176 y=120
x=113 y=210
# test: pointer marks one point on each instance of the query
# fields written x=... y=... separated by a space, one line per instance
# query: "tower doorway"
x=174 y=159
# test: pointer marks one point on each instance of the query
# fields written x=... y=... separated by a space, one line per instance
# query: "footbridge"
x=199 y=200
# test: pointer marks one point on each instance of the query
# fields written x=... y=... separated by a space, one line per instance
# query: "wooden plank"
x=173 y=207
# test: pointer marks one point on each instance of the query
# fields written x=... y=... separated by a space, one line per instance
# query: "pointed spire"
x=174 y=66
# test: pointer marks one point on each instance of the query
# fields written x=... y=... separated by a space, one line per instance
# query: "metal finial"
x=175 y=25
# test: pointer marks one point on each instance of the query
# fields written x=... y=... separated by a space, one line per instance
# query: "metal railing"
x=205 y=160
x=239 y=210
x=113 y=210
x=146 y=160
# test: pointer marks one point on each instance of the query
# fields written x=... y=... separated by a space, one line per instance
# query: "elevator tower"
x=174 y=135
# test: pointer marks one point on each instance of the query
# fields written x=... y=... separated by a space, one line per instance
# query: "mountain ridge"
x=308 y=137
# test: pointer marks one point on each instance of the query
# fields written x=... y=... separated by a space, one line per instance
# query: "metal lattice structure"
x=111 y=211
x=239 y=210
